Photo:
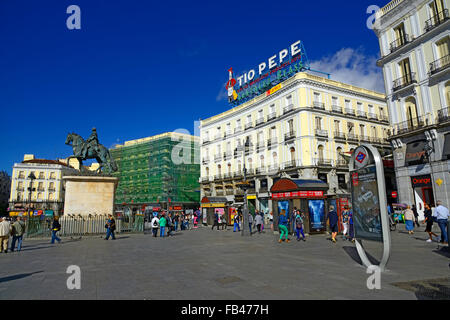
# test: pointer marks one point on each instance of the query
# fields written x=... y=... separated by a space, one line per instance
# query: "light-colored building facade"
x=300 y=131
x=47 y=190
x=414 y=38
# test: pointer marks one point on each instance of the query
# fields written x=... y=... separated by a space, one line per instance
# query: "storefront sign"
x=268 y=75
x=297 y=194
x=421 y=181
x=213 y=205
x=176 y=208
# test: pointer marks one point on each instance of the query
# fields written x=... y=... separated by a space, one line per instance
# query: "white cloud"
x=352 y=67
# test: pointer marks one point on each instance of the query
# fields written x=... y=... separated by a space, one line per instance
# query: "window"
x=335 y=101
x=229 y=147
x=52 y=175
x=341 y=181
x=21 y=175
x=51 y=186
x=51 y=196
x=317 y=97
x=272 y=108
x=292 y=154
x=273 y=133
x=320 y=152
x=249 y=119
x=288 y=100
x=405 y=69
x=337 y=126
x=238 y=123
x=411 y=111
x=443 y=47
x=374 y=132
x=260 y=114
x=400 y=36
x=437 y=11
x=362 y=129
x=260 y=138
x=350 y=126
x=274 y=158
x=360 y=106
x=318 y=123
x=291 y=126
x=228 y=128
x=348 y=104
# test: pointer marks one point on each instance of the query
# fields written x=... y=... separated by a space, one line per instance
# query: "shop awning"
x=446 y=151
x=415 y=150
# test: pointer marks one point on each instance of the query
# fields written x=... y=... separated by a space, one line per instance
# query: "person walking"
x=169 y=224
x=216 y=221
x=18 y=229
x=429 y=221
x=345 y=222
x=5 y=231
x=111 y=227
x=271 y=220
x=416 y=215
x=56 y=226
x=176 y=220
x=442 y=215
x=333 y=220
x=224 y=222
x=283 y=224
x=162 y=225
x=250 y=222
x=195 y=220
x=299 y=225
x=155 y=226
x=409 y=220
x=258 y=222
x=350 y=225
x=236 y=223
x=291 y=220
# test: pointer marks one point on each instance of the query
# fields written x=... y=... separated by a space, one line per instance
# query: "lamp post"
x=244 y=185
x=32 y=177
x=429 y=149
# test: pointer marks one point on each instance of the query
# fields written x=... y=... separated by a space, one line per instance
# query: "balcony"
x=227 y=133
x=217 y=158
x=260 y=170
x=341 y=163
x=288 y=108
x=289 y=136
x=273 y=168
x=263 y=190
x=220 y=192
x=248 y=150
x=339 y=135
x=237 y=129
x=227 y=155
x=439 y=65
x=322 y=162
x=204 y=179
x=364 y=138
x=404 y=81
x=51 y=189
x=238 y=174
x=218 y=176
x=229 y=192
x=228 y=175
x=436 y=20
x=260 y=147
x=271 y=116
x=398 y=43
x=409 y=125
x=259 y=121
x=350 y=111
x=217 y=137
x=361 y=114
x=319 y=105
x=271 y=143
x=321 y=133
x=336 y=108
x=383 y=118
x=352 y=137
x=248 y=125
x=250 y=172
x=292 y=164
x=373 y=116
x=205 y=160
x=443 y=115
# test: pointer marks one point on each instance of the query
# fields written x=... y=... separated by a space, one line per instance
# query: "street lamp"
x=245 y=185
x=32 y=177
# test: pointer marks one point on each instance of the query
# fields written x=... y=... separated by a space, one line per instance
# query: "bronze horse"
x=103 y=156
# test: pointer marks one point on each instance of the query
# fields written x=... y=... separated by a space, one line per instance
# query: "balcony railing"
x=260 y=170
x=205 y=160
x=237 y=129
x=227 y=175
x=272 y=142
x=238 y=174
x=248 y=150
x=321 y=133
x=341 y=163
x=273 y=168
x=229 y=192
x=289 y=136
x=322 y=162
x=439 y=65
x=399 y=42
x=263 y=190
x=218 y=176
x=339 y=135
x=206 y=140
x=250 y=171
x=350 y=111
x=409 y=125
x=21 y=176
x=404 y=81
x=362 y=114
x=373 y=116
x=288 y=108
x=271 y=116
x=259 y=121
x=383 y=118
x=220 y=192
x=291 y=164
x=218 y=137
x=19 y=189
x=319 y=105
x=364 y=138
x=217 y=158
x=227 y=155
x=248 y=126
x=436 y=20
x=443 y=115
x=352 y=137
x=260 y=147
x=336 y=108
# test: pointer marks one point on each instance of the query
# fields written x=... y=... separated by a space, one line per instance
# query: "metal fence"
x=78 y=225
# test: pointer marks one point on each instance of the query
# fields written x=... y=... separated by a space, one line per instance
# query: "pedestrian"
x=409 y=219
x=345 y=222
x=271 y=220
x=155 y=226
x=5 y=231
x=442 y=215
x=236 y=223
x=429 y=221
x=111 y=227
x=250 y=222
x=162 y=225
x=216 y=220
x=283 y=224
x=350 y=225
x=224 y=222
x=291 y=220
x=169 y=224
x=195 y=220
x=56 y=226
x=333 y=220
x=176 y=219
x=416 y=215
x=299 y=225
x=18 y=229
x=258 y=222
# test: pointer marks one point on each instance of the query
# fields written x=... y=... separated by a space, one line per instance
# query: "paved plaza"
x=205 y=264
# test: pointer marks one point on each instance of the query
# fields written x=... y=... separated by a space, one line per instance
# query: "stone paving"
x=205 y=264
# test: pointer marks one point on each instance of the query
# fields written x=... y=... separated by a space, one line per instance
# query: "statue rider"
x=92 y=141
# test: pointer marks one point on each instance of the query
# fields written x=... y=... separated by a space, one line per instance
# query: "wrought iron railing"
x=399 y=42
x=336 y=108
x=410 y=125
x=339 y=135
x=443 y=115
x=290 y=135
x=436 y=20
x=404 y=81
x=319 y=105
x=259 y=121
x=324 y=162
x=321 y=133
x=439 y=65
x=288 y=108
x=271 y=116
x=352 y=137
x=350 y=111
x=248 y=125
x=362 y=114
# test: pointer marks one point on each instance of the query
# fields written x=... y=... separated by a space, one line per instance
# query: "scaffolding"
x=147 y=173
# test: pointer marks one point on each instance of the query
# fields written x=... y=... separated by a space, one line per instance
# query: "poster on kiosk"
x=370 y=217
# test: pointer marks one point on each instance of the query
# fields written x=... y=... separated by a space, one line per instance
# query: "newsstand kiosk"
x=211 y=205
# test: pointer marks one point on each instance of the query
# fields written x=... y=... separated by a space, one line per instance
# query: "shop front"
x=308 y=196
x=212 y=205
x=423 y=193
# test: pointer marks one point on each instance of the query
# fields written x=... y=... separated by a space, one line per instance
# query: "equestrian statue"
x=91 y=149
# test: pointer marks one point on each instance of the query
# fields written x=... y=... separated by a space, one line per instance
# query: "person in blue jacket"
x=333 y=219
x=283 y=226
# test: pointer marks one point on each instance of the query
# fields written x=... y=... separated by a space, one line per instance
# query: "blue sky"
x=139 y=68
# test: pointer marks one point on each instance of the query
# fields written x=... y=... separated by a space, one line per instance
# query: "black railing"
x=272 y=142
x=410 y=125
x=399 y=42
x=323 y=162
x=362 y=114
x=350 y=111
x=436 y=20
x=319 y=105
x=339 y=135
x=404 y=81
x=271 y=116
x=336 y=108
x=248 y=126
x=321 y=133
x=444 y=115
x=288 y=108
x=439 y=65
x=341 y=163
x=259 y=121
x=352 y=137
x=290 y=135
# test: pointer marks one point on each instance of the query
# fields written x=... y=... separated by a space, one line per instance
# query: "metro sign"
x=360 y=157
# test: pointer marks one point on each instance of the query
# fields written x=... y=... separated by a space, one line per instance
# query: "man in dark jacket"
x=56 y=226
x=216 y=221
x=111 y=225
x=333 y=219
x=416 y=215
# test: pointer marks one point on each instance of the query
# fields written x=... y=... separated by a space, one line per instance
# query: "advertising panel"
x=316 y=214
x=283 y=206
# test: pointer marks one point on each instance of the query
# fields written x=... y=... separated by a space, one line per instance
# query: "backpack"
x=299 y=222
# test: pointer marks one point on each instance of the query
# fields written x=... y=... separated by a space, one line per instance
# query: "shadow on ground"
x=432 y=289
x=353 y=253
x=18 y=276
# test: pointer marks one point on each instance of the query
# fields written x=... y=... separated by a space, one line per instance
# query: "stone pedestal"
x=89 y=195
